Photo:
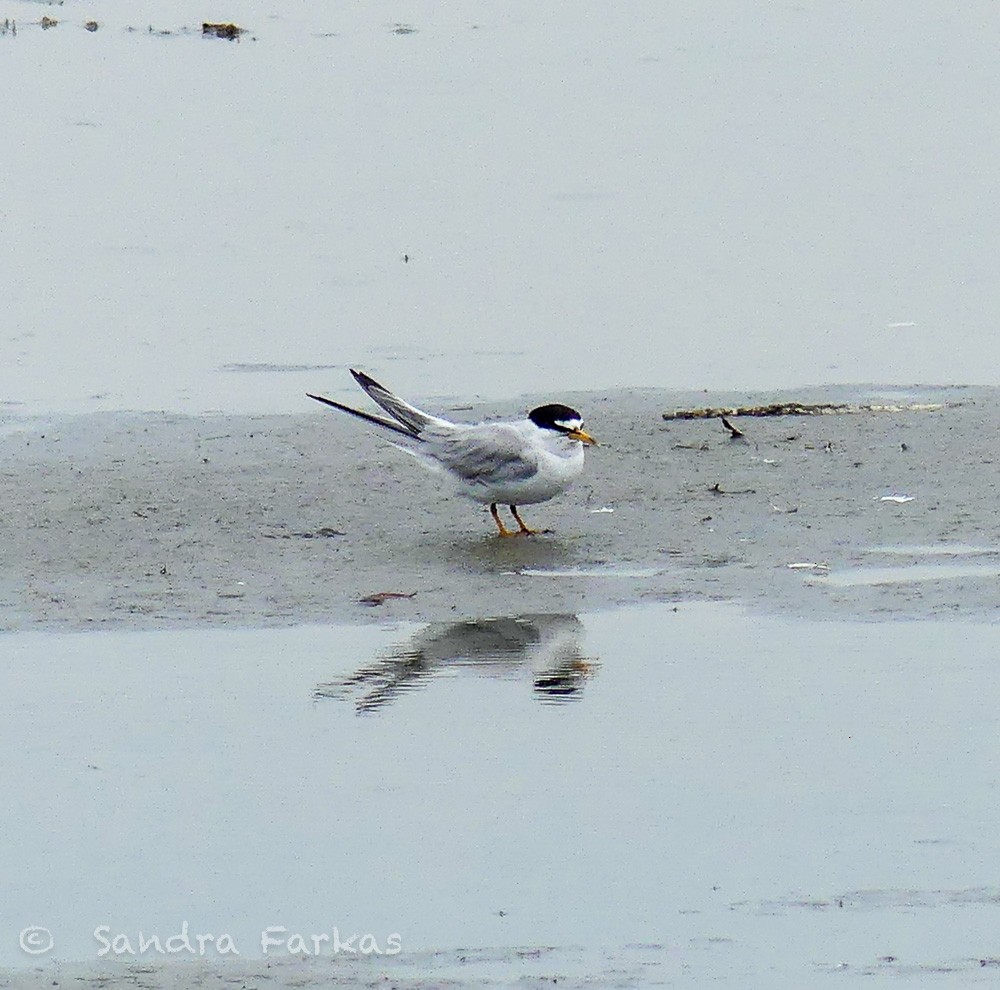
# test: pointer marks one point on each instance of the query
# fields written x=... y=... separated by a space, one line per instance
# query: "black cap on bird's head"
x=561 y=419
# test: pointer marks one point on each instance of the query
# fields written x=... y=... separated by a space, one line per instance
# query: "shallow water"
x=851 y=577
x=933 y=562
x=494 y=202
x=747 y=797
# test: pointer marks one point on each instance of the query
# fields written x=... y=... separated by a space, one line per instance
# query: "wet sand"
x=146 y=521
x=536 y=967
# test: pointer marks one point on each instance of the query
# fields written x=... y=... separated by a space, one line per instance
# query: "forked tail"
x=386 y=424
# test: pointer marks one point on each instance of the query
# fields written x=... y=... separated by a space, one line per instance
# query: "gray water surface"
x=486 y=203
x=749 y=796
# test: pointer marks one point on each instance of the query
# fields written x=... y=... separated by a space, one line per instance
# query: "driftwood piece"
x=802 y=409
x=230 y=32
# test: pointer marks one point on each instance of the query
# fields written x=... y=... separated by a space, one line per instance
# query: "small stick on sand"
x=734 y=432
x=716 y=490
x=381 y=597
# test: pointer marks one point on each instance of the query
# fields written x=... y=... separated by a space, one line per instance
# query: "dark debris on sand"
x=229 y=32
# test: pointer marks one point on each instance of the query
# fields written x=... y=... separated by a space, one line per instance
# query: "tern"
x=514 y=463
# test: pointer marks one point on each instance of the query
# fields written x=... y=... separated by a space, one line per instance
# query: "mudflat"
x=145 y=520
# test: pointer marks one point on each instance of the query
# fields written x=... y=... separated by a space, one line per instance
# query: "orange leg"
x=524 y=529
x=504 y=531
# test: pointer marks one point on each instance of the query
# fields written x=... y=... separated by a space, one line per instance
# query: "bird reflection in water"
x=545 y=646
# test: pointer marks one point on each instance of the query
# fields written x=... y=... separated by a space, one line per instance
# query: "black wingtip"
x=365 y=381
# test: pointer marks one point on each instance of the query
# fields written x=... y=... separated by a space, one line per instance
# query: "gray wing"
x=487 y=454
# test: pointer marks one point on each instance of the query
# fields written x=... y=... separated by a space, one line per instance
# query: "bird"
x=513 y=463
x=546 y=646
